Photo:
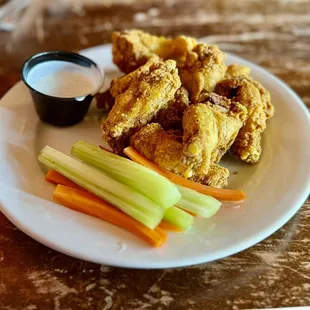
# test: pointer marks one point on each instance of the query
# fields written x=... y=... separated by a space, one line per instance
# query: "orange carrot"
x=169 y=227
x=90 y=204
x=55 y=177
x=218 y=193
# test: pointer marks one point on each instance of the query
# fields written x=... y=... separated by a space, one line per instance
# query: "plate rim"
x=303 y=194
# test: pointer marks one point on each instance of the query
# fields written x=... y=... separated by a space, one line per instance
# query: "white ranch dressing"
x=64 y=79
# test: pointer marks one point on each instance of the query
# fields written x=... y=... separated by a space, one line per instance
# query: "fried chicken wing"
x=132 y=49
x=171 y=116
x=200 y=139
x=165 y=149
x=204 y=67
x=229 y=116
x=138 y=99
x=256 y=100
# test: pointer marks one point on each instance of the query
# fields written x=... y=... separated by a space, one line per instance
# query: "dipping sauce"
x=64 y=79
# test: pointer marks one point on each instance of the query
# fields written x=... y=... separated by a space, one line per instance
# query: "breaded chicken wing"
x=200 y=139
x=165 y=149
x=132 y=49
x=204 y=67
x=229 y=116
x=254 y=97
x=138 y=99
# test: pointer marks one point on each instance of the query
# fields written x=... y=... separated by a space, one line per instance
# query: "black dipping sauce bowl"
x=61 y=111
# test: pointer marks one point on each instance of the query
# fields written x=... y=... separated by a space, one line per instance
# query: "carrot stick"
x=54 y=177
x=169 y=227
x=90 y=204
x=218 y=193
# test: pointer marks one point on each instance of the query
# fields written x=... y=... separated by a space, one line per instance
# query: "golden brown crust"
x=171 y=116
x=132 y=49
x=254 y=97
x=204 y=67
x=235 y=70
x=149 y=90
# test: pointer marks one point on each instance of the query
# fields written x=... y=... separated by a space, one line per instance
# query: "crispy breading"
x=165 y=149
x=204 y=67
x=235 y=70
x=149 y=90
x=160 y=146
x=229 y=117
x=217 y=176
x=132 y=49
x=171 y=116
x=254 y=97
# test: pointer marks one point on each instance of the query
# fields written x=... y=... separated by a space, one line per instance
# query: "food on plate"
x=136 y=176
x=132 y=49
x=56 y=178
x=216 y=110
x=115 y=179
x=175 y=113
x=208 y=131
x=122 y=196
x=138 y=98
x=203 y=68
x=90 y=204
x=218 y=193
x=256 y=99
x=155 y=187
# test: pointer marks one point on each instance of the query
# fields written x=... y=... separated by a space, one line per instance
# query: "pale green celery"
x=200 y=204
x=144 y=180
x=179 y=218
x=121 y=196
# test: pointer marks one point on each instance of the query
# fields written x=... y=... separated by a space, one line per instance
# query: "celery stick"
x=144 y=180
x=179 y=218
x=121 y=196
x=200 y=204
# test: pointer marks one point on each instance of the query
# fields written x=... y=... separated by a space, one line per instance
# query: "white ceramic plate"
x=276 y=187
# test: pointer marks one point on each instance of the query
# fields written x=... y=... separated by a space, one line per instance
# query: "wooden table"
x=276 y=272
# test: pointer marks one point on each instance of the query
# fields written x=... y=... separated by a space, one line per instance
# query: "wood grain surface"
x=276 y=272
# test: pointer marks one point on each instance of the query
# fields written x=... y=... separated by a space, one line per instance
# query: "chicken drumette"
x=132 y=49
x=256 y=99
x=138 y=98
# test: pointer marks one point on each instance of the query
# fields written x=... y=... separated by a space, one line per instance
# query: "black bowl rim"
x=62 y=53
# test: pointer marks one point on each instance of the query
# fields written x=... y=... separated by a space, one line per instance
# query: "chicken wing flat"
x=138 y=99
x=254 y=97
x=203 y=68
x=165 y=149
x=171 y=116
x=132 y=49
